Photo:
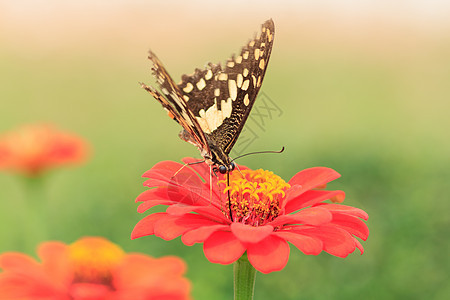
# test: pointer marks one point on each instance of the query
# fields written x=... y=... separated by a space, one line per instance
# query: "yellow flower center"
x=93 y=259
x=255 y=196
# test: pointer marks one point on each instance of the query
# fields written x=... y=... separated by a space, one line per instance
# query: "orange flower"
x=91 y=268
x=266 y=213
x=33 y=149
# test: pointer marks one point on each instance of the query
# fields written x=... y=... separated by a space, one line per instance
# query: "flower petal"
x=209 y=211
x=223 y=247
x=309 y=198
x=351 y=224
x=163 y=170
x=199 y=235
x=149 y=204
x=336 y=241
x=250 y=234
x=307 y=244
x=359 y=246
x=146 y=226
x=171 y=227
x=313 y=178
x=308 y=216
x=269 y=255
x=55 y=261
x=24 y=278
x=345 y=209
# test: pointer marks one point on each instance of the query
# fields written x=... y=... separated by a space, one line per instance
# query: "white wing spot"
x=254 y=80
x=208 y=75
x=259 y=81
x=245 y=72
x=188 y=88
x=201 y=84
x=223 y=76
x=239 y=59
x=261 y=64
x=246 y=100
x=186 y=98
x=212 y=118
x=232 y=89
x=165 y=91
x=239 y=80
x=252 y=43
x=217 y=92
x=230 y=64
x=245 y=55
x=245 y=85
x=256 y=53
x=269 y=35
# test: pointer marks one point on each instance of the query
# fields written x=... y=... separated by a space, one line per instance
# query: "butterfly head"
x=223 y=169
x=219 y=160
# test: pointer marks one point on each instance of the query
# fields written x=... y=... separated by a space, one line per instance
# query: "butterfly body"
x=213 y=104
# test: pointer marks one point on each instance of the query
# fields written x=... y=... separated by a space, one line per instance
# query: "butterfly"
x=213 y=103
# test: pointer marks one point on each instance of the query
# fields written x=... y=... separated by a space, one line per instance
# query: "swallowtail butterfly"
x=213 y=104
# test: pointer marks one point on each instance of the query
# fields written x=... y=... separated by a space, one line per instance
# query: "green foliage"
x=378 y=123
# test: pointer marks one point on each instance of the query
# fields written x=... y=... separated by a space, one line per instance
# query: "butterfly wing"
x=176 y=105
x=221 y=98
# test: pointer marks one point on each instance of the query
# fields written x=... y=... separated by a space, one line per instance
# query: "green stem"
x=33 y=210
x=244 y=279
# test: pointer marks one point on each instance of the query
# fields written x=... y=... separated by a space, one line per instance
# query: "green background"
x=364 y=92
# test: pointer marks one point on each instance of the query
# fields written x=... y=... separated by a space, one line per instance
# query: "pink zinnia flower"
x=267 y=213
x=32 y=149
x=91 y=268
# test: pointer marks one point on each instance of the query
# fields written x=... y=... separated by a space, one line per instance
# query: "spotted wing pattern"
x=175 y=104
x=221 y=98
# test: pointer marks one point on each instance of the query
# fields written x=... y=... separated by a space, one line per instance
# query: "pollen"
x=93 y=260
x=255 y=196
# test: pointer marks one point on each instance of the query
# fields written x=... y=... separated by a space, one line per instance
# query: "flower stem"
x=244 y=279
x=34 y=212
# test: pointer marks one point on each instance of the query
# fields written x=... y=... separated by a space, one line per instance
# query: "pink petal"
x=149 y=204
x=250 y=234
x=307 y=244
x=313 y=177
x=199 y=235
x=174 y=226
x=163 y=170
x=223 y=247
x=152 y=195
x=351 y=224
x=18 y=262
x=269 y=255
x=336 y=241
x=56 y=261
x=309 y=216
x=211 y=212
x=146 y=226
x=345 y=209
x=309 y=198
x=359 y=246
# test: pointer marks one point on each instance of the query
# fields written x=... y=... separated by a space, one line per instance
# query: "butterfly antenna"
x=258 y=152
x=239 y=170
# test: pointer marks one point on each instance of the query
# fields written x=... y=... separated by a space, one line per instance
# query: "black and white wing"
x=175 y=104
x=221 y=98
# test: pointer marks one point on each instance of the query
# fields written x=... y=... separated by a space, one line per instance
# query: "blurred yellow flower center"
x=255 y=196
x=93 y=259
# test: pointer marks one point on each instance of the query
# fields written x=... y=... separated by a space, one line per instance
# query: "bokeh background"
x=360 y=86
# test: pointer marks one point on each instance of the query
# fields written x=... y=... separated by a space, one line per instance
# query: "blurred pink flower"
x=32 y=149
